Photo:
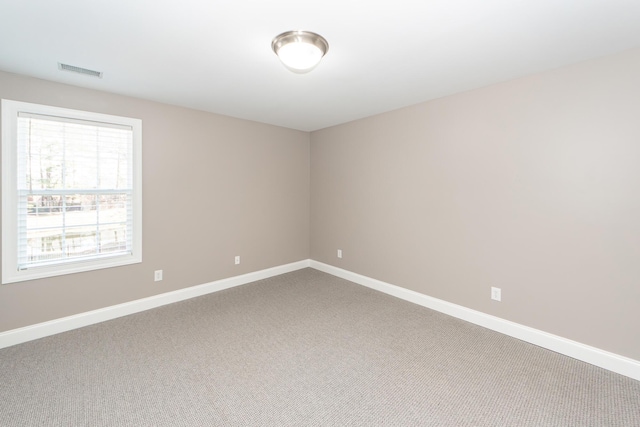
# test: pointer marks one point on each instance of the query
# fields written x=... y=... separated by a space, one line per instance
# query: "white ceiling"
x=215 y=55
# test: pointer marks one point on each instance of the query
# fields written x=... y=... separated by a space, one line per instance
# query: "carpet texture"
x=303 y=349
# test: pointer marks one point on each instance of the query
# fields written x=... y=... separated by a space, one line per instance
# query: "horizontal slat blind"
x=75 y=186
x=51 y=118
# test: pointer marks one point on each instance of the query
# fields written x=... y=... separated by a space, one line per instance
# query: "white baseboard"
x=40 y=330
x=595 y=356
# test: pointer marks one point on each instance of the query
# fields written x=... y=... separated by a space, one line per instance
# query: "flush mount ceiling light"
x=300 y=51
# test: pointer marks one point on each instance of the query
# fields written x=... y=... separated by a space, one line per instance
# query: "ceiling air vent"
x=79 y=70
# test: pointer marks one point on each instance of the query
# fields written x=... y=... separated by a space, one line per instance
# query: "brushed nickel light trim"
x=304 y=41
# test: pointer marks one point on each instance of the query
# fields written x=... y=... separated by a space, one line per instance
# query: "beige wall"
x=213 y=187
x=532 y=186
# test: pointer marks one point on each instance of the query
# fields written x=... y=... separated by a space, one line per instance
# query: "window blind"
x=74 y=190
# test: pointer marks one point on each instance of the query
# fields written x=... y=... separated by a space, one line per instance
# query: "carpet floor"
x=302 y=349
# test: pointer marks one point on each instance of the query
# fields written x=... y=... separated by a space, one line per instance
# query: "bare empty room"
x=284 y=213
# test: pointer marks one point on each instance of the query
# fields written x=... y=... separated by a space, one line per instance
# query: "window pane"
x=44 y=154
x=81 y=241
x=81 y=156
x=44 y=245
x=114 y=208
x=71 y=191
x=115 y=155
x=81 y=210
x=78 y=225
x=75 y=156
x=44 y=212
x=61 y=155
x=113 y=238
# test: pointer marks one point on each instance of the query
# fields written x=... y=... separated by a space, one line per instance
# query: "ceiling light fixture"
x=300 y=51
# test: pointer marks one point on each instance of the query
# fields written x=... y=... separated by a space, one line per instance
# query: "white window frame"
x=10 y=271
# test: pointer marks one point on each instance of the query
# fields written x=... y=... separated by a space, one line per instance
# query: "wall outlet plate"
x=496 y=294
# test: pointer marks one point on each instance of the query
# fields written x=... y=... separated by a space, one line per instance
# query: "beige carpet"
x=304 y=348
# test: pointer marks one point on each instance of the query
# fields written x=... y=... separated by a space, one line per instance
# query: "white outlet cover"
x=496 y=294
x=157 y=275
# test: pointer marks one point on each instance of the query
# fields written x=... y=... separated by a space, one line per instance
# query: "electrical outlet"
x=157 y=275
x=339 y=253
x=496 y=294
x=237 y=259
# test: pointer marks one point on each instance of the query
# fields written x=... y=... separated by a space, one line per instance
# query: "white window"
x=71 y=191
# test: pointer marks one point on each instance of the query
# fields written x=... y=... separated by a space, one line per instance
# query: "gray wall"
x=213 y=187
x=532 y=186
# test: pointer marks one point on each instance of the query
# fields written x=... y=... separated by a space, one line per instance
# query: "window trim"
x=9 y=117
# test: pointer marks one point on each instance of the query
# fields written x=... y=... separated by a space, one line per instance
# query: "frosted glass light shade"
x=300 y=51
x=300 y=57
